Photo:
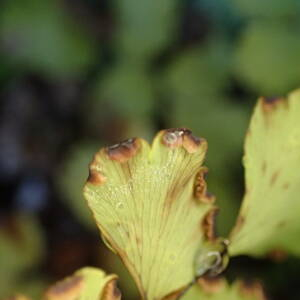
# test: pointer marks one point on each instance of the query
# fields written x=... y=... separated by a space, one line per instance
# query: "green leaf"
x=153 y=209
x=85 y=284
x=219 y=289
x=269 y=216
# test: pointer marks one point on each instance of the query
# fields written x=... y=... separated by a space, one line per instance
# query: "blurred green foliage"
x=267 y=8
x=39 y=36
x=21 y=249
x=145 y=28
x=266 y=56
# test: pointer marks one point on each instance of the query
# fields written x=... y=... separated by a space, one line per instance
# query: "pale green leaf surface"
x=85 y=284
x=219 y=289
x=269 y=216
x=143 y=201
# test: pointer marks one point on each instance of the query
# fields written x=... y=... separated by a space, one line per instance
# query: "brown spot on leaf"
x=123 y=151
x=252 y=289
x=274 y=177
x=240 y=221
x=95 y=177
x=286 y=186
x=208 y=198
x=67 y=289
x=138 y=240
x=269 y=104
x=176 y=137
x=278 y=255
x=271 y=100
x=111 y=291
x=248 y=132
x=208 y=224
x=281 y=224
x=211 y=285
x=200 y=187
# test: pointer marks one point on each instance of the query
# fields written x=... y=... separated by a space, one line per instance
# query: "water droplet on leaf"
x=119 y=205
x=170 y=138
x=211 y=260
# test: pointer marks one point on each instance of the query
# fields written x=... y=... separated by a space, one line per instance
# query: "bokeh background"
x=76 y=75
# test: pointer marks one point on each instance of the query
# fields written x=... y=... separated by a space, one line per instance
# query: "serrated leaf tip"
x=176 y=137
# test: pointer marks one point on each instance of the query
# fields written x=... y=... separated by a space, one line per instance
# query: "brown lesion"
x=211 y=285
x=95 y=177
x=111 y=291
x=278 y=255
x=274 y=177
x=286 y=186
x=281 y=224
x=264 y=167
x=67 y=289
x=208 y=198
x=252 y=289
x=208 y=224
x=200 y=187
x=138 y=241
x=176 y=137
x=123 y=151
x=271 y=103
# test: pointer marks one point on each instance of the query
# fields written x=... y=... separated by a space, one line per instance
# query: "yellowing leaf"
x=269 y=216
x=152 y=208
x=219 y=289
x=85 y=284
